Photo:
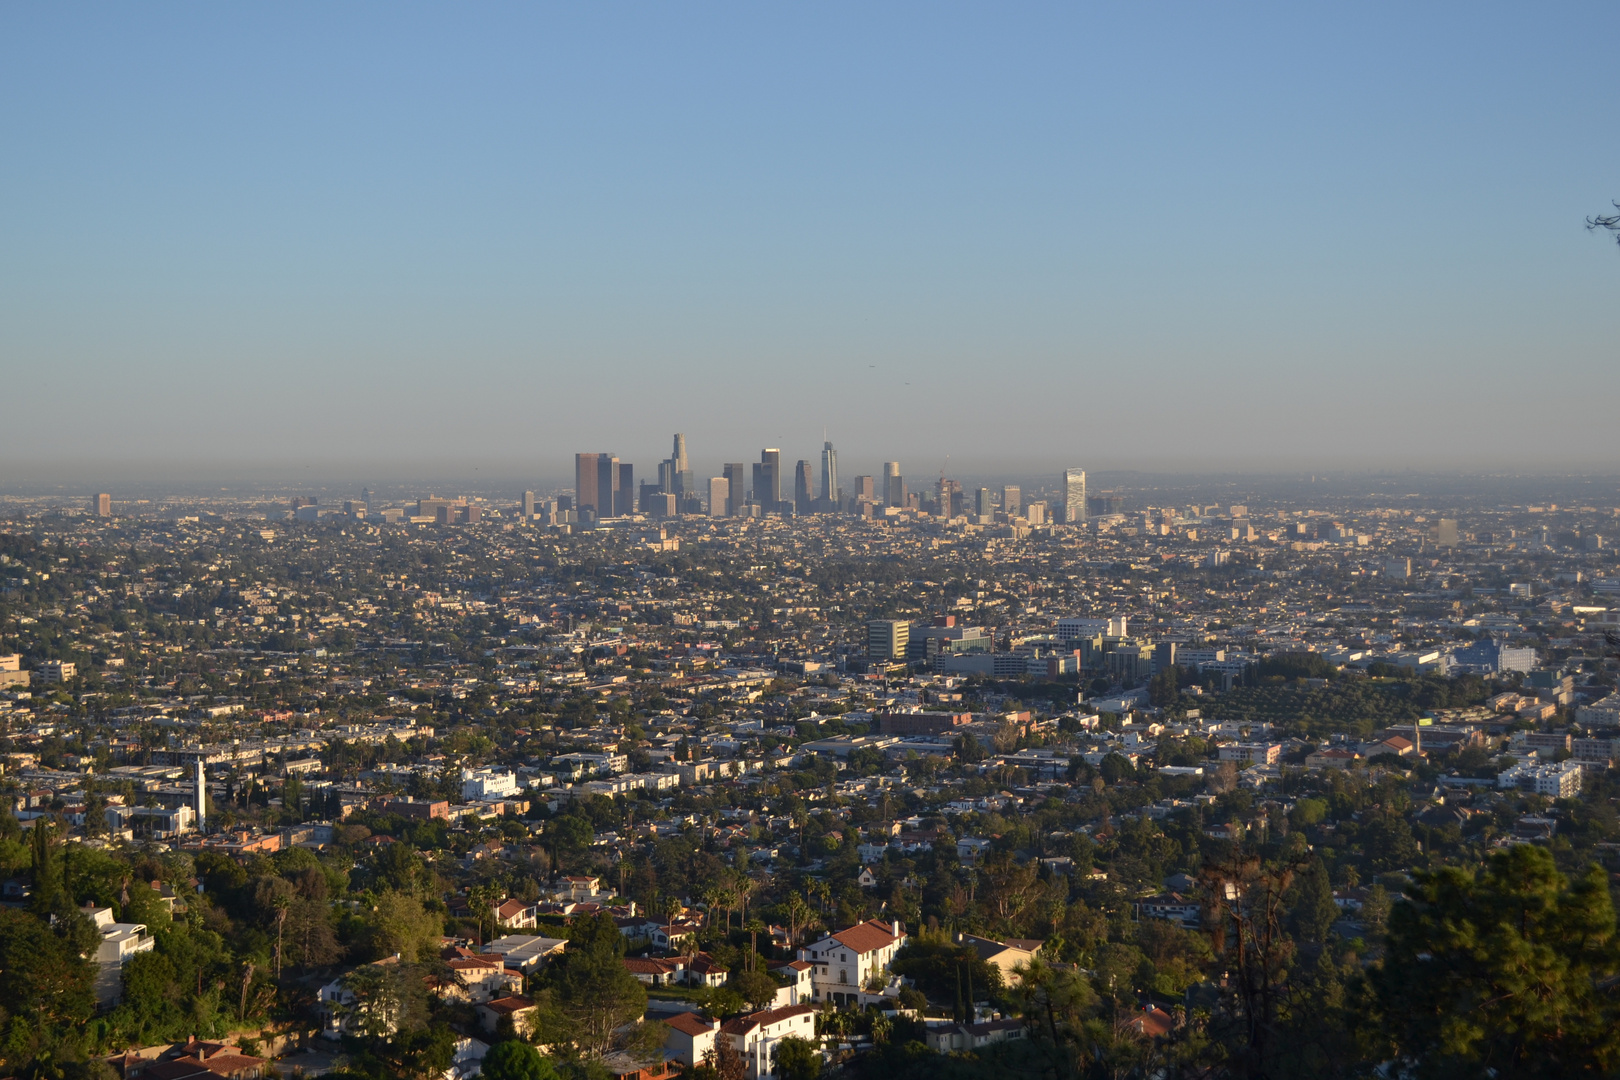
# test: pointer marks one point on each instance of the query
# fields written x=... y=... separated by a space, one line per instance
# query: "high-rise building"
x=1012 y=500
x=768 y=479
x=595 y=476
x=528 y=505
x=829 y=476
x=1074 y=496
x=719 y=496
x=865 y=489
x=675 y=472
x=894 y=488
x=803 y=489
x=103 y=505
x=624 y=489
x=948 y=497
x=983 y=505
x=886 y=639
x=736 y=487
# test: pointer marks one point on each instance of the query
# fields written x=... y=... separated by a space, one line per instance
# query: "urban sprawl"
x=782 y=776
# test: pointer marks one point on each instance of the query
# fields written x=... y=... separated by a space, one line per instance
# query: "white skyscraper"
x=829 y=475
x=1074 y=496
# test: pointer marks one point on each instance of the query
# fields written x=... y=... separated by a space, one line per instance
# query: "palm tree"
x=753 y=926
x=282 y=902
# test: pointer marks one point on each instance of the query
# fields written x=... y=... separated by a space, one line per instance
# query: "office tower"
x=948 y=497
x=736 y=487
x=982 y=504
x=102 y=505
x=675 y=472
x=768 y=479
x=1012 y=500
x=886 y=639
x=865 y=489
x=1035 y=513
x=528 y=505
x=829 y=475
x=893 y=491
x=1444 y=533
x=624 y=490
x=803 y=488
x=1074 y=496
x=593 y=480
x=719 y=497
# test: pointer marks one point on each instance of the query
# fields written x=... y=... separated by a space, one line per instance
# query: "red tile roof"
x=867 y=937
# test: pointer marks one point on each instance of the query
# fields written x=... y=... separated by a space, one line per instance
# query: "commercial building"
x=768 y=479
x=830 y=495
x=736 y=475
x=101 y=505
x=719 y=496
x=1074 y=496
x=886 y=639
x=803 y=489
x=1557 y=780
x=1012 y=500
x=894 y=487
x=596 y=476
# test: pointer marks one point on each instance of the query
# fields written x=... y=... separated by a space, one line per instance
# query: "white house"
x=690 y=1038
x=755 y=1036
x=120 y=942
x=484 y=785
x=847 y=960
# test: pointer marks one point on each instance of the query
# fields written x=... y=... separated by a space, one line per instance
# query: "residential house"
x=755 y=1036
x=689 y=1038
x=518 y=1009
x=847 y=960
x=1007 y=956
x=946 y=1037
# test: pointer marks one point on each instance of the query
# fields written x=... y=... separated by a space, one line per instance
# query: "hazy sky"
x=486 y=235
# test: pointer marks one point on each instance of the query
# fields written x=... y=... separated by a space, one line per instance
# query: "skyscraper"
x=528 y=505
x=803 y=489
x=719 y=497
x=982 y=504
x=894 y=488
x=768 y=479
x=103 y=505
x=587 y=482
x=736 y=487
x=675 y=472
x=624 y=489
x=829 y=476
x=1074 y=496
x=1012 y=500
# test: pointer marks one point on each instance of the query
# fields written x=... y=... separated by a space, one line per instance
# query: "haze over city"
x=300 y=237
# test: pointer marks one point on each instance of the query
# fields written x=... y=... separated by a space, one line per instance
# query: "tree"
x=591 y=992
x=515 y=1059
x=756 y=987
x=797 y=1059
x=1313 y=908
x=400 y=925
x=1507 y=972
x=1610 y=222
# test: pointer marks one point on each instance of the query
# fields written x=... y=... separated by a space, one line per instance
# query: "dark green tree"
x=1508 y=972
x=515 y=1059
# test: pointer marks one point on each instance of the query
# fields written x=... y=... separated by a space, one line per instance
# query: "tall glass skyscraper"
x=1074 y=496
x=829 y=475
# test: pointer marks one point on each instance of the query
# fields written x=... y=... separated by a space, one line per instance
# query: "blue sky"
x=1147 y=235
